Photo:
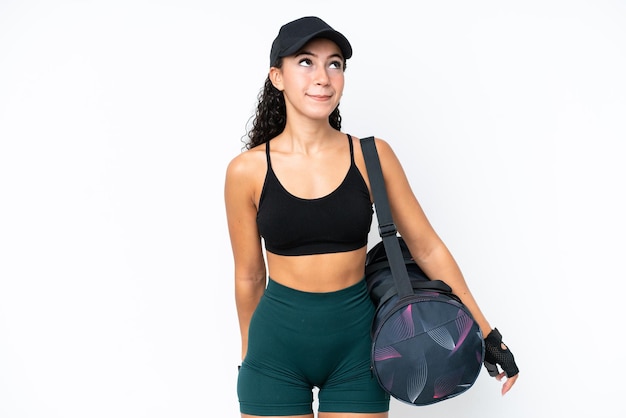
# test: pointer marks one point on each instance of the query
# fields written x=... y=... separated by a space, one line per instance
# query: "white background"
x=118 y=118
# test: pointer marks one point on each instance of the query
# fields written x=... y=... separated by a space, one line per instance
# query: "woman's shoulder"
x=248 y=161
x=380 y=142
x=383 y=144
x=388 y=158
x=383 y=147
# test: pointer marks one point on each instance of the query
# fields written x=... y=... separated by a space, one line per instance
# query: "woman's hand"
x=498 y=354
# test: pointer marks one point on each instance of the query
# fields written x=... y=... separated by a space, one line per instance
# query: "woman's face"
x=312 y=80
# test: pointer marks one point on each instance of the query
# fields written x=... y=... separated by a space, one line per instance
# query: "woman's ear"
x=276 y=77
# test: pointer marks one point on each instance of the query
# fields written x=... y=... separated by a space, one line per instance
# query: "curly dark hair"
x=271 y=114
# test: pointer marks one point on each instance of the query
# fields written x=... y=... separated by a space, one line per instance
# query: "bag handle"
x=386 y=227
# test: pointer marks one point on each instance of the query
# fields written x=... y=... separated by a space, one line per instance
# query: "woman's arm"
x=250 y=273
x=426 y=247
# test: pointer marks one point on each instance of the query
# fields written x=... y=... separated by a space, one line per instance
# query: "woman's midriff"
x=318 y=272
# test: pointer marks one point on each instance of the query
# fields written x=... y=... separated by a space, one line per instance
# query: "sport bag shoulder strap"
x=386 y=227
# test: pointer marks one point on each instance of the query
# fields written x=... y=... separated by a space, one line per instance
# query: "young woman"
x=301 y=191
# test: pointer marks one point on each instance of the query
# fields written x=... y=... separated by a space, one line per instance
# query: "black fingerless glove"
x=495 y=354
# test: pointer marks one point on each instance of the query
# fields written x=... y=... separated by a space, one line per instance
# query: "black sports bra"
x=337 y=222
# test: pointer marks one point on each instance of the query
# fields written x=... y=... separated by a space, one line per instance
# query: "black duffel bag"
x=426 y=346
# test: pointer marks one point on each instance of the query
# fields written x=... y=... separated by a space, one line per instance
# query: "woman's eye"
x=336 y=65
x=306 y=62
